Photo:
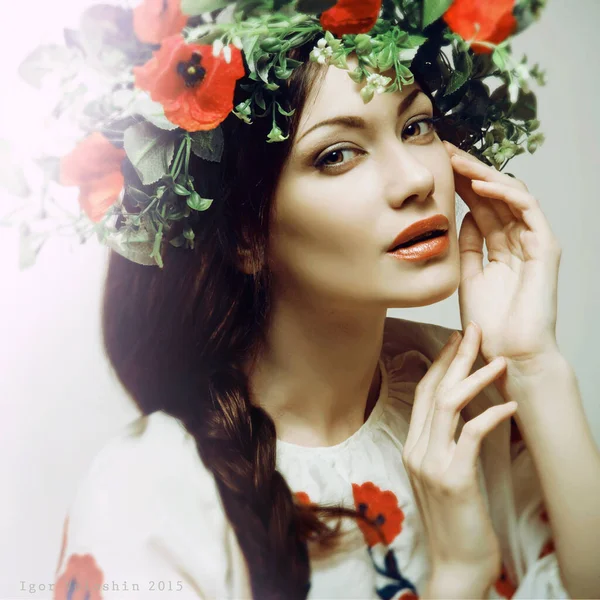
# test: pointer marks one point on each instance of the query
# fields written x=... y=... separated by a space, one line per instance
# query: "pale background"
x=59 y=400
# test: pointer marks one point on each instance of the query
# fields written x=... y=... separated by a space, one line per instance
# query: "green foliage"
x=433 y=10
x=149 y=149
x=493 y=123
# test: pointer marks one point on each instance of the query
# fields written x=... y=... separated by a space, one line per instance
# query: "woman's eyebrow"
x=359 y=122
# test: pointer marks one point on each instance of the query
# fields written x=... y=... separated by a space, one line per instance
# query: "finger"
x=488 y=219
x=476 y=169
x=470 y=248
x=468 y=447
x=457 y=371
x=462 y=363
x=523 y=205
x=447 y=410
x=504 y=213
x=426 y=390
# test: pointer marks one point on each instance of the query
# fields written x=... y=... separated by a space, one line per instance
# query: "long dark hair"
x=178 y=337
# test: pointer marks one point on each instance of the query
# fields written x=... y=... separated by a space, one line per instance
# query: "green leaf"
x=462 y=72
x=525 y=109
x=385 y=59
x=197 y=7
x=139 y=197
x=415 y=40
x=292 y=64
x=262 y=68
x=208 y=144
x=42 y=61
x=366 y=93
x=180 y=190
x=363 y=43
x=357 y=75
x=150 y=150
x=283 y=73
x=499 y=59
x=260 y=101
x=196 y=202
x=433 y=10
x=284 y=112
x=156 y=248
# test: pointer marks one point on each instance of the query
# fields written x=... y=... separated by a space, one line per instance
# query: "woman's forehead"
x=336 y=94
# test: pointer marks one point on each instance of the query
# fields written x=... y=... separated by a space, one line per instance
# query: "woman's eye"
x=430 y=126
x=325 y=164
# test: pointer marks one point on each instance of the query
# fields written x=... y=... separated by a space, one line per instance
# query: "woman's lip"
x=435 y=222
x=424 y=249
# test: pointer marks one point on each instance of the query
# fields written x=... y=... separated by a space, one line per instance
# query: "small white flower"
x=217 y=47
x=522 y=72
x=321 y=52
x=378 y=82
x=513 y=91
x=227 y=54
x=237 y=42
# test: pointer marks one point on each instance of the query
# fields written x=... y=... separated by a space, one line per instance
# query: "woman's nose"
x=408 y=177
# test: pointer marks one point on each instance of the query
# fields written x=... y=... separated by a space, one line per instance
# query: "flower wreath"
x=150 y=85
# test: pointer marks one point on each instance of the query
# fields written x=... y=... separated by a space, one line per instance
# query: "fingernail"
x=454 y=337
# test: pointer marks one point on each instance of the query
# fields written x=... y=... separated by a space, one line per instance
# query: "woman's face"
x=345 y=193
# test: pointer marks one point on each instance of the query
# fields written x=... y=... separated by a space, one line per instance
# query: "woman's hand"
x=514 y=297
x=443 y=473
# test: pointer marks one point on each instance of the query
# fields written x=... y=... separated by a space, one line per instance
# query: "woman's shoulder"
x=152 y=461
x=148 y=512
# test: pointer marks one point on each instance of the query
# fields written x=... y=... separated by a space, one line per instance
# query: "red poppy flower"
x=82 y=579
x=154 y=20
x=95 y=166
x=382 y=508
x=495 y=18
x=195 y=88
x=351 y=16
x=303 y=498
x=64 y=544
x=504 y=585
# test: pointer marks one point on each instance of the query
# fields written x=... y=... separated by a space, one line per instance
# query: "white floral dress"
x=147 y=520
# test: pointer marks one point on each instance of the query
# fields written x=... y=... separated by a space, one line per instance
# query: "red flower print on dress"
x=351 y=16
x=547 y=549
x=95 y=166
x=194 y=87
x=504 y=585
x=82 y=580
x=154 y=20
x=63 y=546
x=495 y=18
x=380 y=507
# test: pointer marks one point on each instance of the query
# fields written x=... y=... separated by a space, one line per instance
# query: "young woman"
x=294 y=441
